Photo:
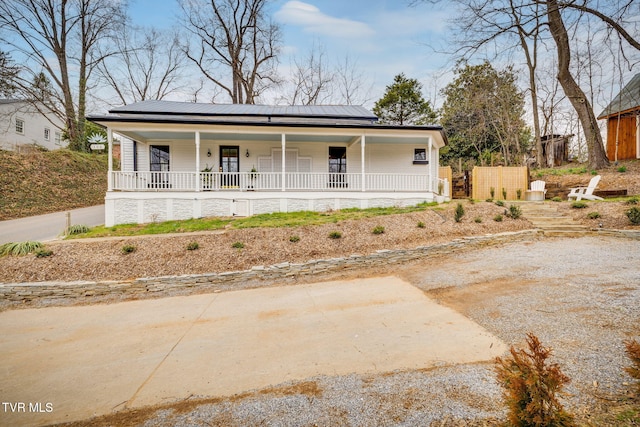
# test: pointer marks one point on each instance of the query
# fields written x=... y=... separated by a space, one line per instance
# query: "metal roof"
x=240 y=111
x=628 y=99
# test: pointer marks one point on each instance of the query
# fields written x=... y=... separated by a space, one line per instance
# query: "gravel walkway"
x=580 y=296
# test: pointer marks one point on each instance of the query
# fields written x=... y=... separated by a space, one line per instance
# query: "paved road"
x=70 y=363
x=50 y=226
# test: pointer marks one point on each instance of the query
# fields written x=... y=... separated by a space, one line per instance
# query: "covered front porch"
x=183 y=160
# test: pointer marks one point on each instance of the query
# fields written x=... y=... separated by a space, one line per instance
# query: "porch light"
x=209 y=152
x=247 y=153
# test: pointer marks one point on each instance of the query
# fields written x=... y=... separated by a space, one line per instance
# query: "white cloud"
x=314 y=21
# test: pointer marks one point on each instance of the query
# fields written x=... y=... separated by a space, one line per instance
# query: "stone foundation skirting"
x=13 y=294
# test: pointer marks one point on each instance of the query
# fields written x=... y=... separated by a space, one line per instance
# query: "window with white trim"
x=57 y=138
x=47 y=134
x=20 y=126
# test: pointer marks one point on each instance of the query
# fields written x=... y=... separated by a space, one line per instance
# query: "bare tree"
x=147 y=64
x=236 y=36
x=351 y=83
x=60 y=39
x=311 y=81
x=577 y=97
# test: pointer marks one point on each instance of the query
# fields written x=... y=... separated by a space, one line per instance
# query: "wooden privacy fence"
x=511 y=179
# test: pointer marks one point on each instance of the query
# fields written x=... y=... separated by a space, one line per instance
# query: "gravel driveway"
x=579 y=296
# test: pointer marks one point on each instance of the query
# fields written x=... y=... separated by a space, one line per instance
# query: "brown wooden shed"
x=623 y=120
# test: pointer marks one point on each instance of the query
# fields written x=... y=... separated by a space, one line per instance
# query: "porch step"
x=547 y=218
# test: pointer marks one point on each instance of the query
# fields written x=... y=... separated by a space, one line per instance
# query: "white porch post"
x=431 y=162
x=110 y=166
x=362 y=144
x=284 y=165
x=197 y=161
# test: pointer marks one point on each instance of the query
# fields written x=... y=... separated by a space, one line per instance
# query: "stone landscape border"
x=55 y=292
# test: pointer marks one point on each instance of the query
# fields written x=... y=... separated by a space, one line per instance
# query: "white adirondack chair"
x=579 y=193
x=537 y=191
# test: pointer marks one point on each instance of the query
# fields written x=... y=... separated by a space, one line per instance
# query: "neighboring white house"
x=22 y=124
x=189 y=160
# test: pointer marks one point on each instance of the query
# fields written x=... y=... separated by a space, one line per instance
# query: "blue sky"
x=384 y=37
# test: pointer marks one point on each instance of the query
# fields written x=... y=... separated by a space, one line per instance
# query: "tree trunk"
x=597 y=155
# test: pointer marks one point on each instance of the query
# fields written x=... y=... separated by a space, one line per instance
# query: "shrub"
x=43 y=253
x=335 y=235
x=489 y=200
x=593 y=215
x=632 y=348
x=378 y=229
x=634 y=215
x=531 y=386
x=76 y=229
x=193 y=246
x=499 y=203
x=471 y=201
x=594 y=172
x=127 y=249
x=237 y=245
x=421 y=224
x=459 y=212
x=579 y=204
x=556 y=199
x=478 y=219
x=20 y=248
x=497 y=218
x=504 y=193
x=519 y=193
x=492 y=191
x=633 y=201
x=515 y=212
x=622 y=169
x=294 y=239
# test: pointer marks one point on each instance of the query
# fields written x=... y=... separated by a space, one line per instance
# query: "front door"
x=337 y=166
x=159 y=159
x=230 y=165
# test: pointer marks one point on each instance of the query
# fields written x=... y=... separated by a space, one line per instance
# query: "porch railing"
x=269 y=181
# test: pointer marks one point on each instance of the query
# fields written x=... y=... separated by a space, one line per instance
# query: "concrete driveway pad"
x=71 y=363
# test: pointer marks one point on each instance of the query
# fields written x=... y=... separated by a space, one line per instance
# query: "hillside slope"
x=42 y=182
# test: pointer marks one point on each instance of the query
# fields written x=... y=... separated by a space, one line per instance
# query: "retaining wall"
x=48 y=292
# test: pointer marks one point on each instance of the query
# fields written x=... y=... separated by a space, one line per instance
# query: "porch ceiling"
x=267 y=137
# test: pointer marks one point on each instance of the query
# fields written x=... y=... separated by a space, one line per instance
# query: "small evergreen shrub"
x=421 y=224
x=633 y=201
x=504 y=193
x=237 y=245
x=459 y=213
x=634 y=215
x=492 y=191
x=622 y=169
x=579 y=204
x=632 y=348
x=43 y=253
x=519 y=193
x=471 y=200
x=497 y=218
x=20 y=248
x=193 y=246
x=531 y=387
x=335 y=235
x=594 y=173
x=499 y=203
x=128 y=249
x=76 y=229
x=593 y=215
x=556 y=199
x=515 y=212
x=378 y=229
x=294 y=239
x=478 y=220
x=489 y=200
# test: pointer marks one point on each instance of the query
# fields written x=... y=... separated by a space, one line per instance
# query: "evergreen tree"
x=483 y=115
x=403 y=104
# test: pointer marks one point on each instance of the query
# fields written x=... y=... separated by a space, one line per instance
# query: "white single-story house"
x=22 y=124
x=187 y=160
